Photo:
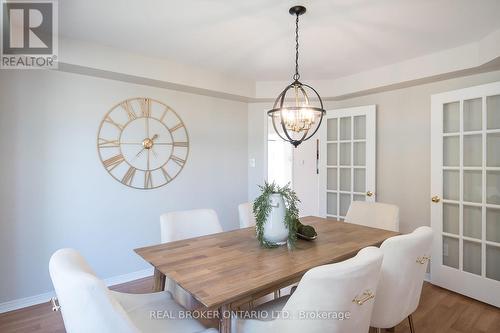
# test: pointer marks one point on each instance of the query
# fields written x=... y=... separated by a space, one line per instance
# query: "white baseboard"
x=45 y=297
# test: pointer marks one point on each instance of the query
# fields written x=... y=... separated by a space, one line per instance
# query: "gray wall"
x=403 y=144
x=55 y=192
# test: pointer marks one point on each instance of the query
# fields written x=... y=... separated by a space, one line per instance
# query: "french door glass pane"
x=450 y=251
x=493 y=111
x=493 y=149
x=331 y=129
x=473 y=150
x=345 y=202
x=331 y=154
x=359 y=153
x=451 y=150
x=450 y=218
x=493 y=225
x=451 y=184
x=359 y=180
x=473 y=186
x=493 y=187
x=472 y=257
x=331 y=203
x=345 y=128
x=345 y=154
x=473 y=114
x=359 y=197
x=360 y=127
x=345 y=179
x=472 y=221
x=451 y=117
x=331 y=179
x=492 y=260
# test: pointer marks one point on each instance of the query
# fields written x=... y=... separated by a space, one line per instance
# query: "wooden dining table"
x=225 y=270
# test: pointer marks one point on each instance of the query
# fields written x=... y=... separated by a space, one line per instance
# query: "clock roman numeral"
x=177 y=160
x=180 y=144
x=113 y=162
x=148 y=179
x=164 y=114
x=105 y=143
x=130 y=112
x=129 y=176
x=168 y=178
x=176 y=127
x=110 y=120
x=145 y=107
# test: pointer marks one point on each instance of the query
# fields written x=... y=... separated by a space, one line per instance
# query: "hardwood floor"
x=440 y=311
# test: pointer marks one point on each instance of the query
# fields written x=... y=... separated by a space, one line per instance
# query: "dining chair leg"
x=410 y=321
x=379 y=330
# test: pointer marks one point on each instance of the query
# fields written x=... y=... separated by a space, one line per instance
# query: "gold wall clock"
x=143 y=143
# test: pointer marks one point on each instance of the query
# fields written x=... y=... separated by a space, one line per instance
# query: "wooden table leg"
x=224 y=319
x=159 y=281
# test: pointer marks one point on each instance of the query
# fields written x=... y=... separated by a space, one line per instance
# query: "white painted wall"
x=403 y=146
x=257 y=147
x=55 y=192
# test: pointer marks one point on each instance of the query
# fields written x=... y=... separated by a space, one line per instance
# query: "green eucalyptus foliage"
x=262 y=208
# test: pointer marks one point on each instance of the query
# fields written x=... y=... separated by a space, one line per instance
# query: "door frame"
x=447 y=277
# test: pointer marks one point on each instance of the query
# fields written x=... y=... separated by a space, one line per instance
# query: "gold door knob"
x=435 y=199
x=369 y=193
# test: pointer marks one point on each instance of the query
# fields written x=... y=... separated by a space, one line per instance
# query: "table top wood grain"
x=226 y=267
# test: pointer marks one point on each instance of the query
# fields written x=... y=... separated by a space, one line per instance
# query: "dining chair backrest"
x=328 y=289
x=245 y=213
x=188 y=224
x=374 y=214
x=402 y=276
x=86 y=303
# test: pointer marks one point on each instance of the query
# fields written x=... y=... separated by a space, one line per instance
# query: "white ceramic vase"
x=275 y=229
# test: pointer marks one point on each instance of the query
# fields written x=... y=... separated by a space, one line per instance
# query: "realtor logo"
x=29 y=34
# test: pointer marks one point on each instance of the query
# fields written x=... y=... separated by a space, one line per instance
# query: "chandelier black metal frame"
x=299 y=120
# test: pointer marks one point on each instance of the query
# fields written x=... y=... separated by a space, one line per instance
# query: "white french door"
x=465 y=185
x=347 y=159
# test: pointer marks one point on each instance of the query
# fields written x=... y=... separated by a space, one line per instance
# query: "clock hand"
x=154 y=137
x=139 y=153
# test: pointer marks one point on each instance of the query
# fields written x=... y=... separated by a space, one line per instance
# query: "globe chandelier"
x=298 y=111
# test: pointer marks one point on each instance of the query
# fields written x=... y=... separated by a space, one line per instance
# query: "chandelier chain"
x=296 y=76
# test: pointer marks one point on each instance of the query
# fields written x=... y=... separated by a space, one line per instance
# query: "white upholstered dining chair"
x=186 y=224
x=348 y=286
x=401 y=278
x=374 y=214
x=87 y=305
x=245 y=214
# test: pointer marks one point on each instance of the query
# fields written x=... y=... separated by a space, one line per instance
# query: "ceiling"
x=255 y=39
